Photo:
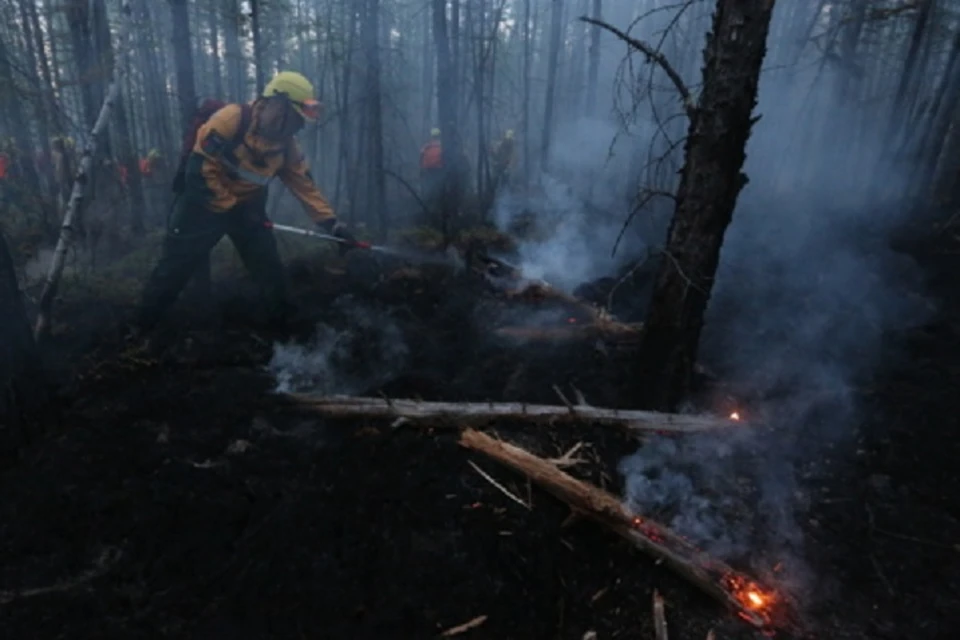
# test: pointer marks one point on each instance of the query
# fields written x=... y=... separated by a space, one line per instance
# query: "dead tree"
x=710 y=182
x=447 y=101
x=377 y=178
x=187 y=102
x=80 y=186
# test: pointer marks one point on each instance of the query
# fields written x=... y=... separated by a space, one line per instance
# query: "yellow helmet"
x=509 y=134
x=298 y=90
x=435 y=133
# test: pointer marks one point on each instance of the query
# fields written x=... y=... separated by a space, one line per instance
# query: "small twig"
x=659 y=617
x=463 y=628
x=654 y=56
x=409 y=188
x=567 y=459
x=873 y=558
x=497 y=485
x=564 y=400
x=629 y=274
x=386 y=399
x=581 y=400
x=107 y=558
x=929 y=543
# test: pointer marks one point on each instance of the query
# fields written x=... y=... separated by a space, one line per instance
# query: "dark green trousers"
x=191 y=235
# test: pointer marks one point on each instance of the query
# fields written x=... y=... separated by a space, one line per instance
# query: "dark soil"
x=181 y=498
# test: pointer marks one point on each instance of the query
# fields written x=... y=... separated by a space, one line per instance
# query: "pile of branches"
x=760 y=605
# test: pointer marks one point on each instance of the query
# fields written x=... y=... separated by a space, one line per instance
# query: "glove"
x=340 y=230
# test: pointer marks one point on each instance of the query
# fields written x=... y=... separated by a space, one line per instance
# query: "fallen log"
x=758 y=605
x=477 y=414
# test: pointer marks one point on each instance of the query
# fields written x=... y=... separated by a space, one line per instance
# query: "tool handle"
x=357 y=243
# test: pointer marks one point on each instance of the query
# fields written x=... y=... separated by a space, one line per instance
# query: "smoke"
x=579 y=207
x=807 y=290
x=361 y=350
x=691 y=498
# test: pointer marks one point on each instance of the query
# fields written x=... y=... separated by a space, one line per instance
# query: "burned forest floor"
x=181 y=496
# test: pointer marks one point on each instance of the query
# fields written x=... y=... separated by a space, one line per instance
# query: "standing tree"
x=710 y=183
x=187 y=101
x=447 y=101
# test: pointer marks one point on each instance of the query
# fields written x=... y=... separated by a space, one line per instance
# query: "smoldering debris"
x=706 y=502
x=361 y=349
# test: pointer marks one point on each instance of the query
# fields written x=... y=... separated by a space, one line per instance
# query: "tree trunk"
x=24 y=402
x=214 y=22
x=236 y=83
x=377 y=194
x=126 y=154
x=527 y=59
x=42 y=117
x=10 y=101
x=447 y=101
x=257 y=45
x=80 y=186
x=710 y=182
x=556 y=28
x=183 y=59
x=187 y=100
x=593 y=73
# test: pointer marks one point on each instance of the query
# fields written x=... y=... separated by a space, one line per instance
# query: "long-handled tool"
x=320 y=236
x=404 y=254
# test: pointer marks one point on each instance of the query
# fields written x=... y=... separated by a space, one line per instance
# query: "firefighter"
x=63 y=167
x=5 y=162
x=148 y=163
x=238 y=151
x=431 y=167
x=9 y=172
x=502 y=158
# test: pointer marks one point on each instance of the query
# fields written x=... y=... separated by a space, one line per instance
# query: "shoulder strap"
x=246 y=115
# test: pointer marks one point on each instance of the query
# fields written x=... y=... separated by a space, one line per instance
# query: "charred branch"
x=758 y=605
x=480 y=414
x=653 y=55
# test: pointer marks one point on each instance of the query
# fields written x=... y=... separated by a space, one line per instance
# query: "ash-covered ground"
x=182 y=497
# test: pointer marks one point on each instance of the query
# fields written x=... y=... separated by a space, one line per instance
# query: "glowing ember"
x=735 y=416
x=755 y=599
x=572 y=320
x=751 y=597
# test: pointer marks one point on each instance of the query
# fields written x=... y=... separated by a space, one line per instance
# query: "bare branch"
x=654 y=56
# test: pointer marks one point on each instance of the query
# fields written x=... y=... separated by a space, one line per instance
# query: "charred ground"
x=187 y=500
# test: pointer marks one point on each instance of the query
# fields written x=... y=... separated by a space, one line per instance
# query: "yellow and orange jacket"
x=238 y=176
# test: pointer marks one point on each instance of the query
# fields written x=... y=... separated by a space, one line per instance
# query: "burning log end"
x=754 y=604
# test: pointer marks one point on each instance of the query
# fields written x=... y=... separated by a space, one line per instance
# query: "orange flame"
x=735 y=416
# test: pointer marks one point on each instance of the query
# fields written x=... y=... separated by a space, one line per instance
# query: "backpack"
x=203 y=113
x=431 y=157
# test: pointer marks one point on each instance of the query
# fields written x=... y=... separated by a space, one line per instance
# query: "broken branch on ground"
x=752 y=602
x=457 y=415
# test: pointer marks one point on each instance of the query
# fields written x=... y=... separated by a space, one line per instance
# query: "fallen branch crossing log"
x=753 y=603
x=478 y=414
